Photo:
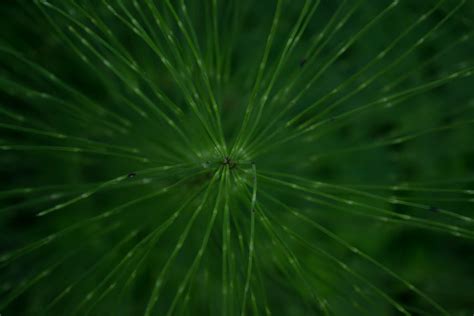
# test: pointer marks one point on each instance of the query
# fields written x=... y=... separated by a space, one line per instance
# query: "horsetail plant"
x=273 y=157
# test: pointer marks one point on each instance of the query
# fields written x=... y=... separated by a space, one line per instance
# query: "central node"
x=229 y=162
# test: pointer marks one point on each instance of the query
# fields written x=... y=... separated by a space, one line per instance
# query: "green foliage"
x=307 y=157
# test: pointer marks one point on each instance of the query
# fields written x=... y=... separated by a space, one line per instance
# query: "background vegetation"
x=236 y=157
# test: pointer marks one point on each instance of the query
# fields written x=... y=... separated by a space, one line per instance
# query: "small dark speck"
x=303 y=62
x=131 y=175
x=434 y=209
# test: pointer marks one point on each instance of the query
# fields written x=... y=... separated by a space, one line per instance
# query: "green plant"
x=236 y=157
